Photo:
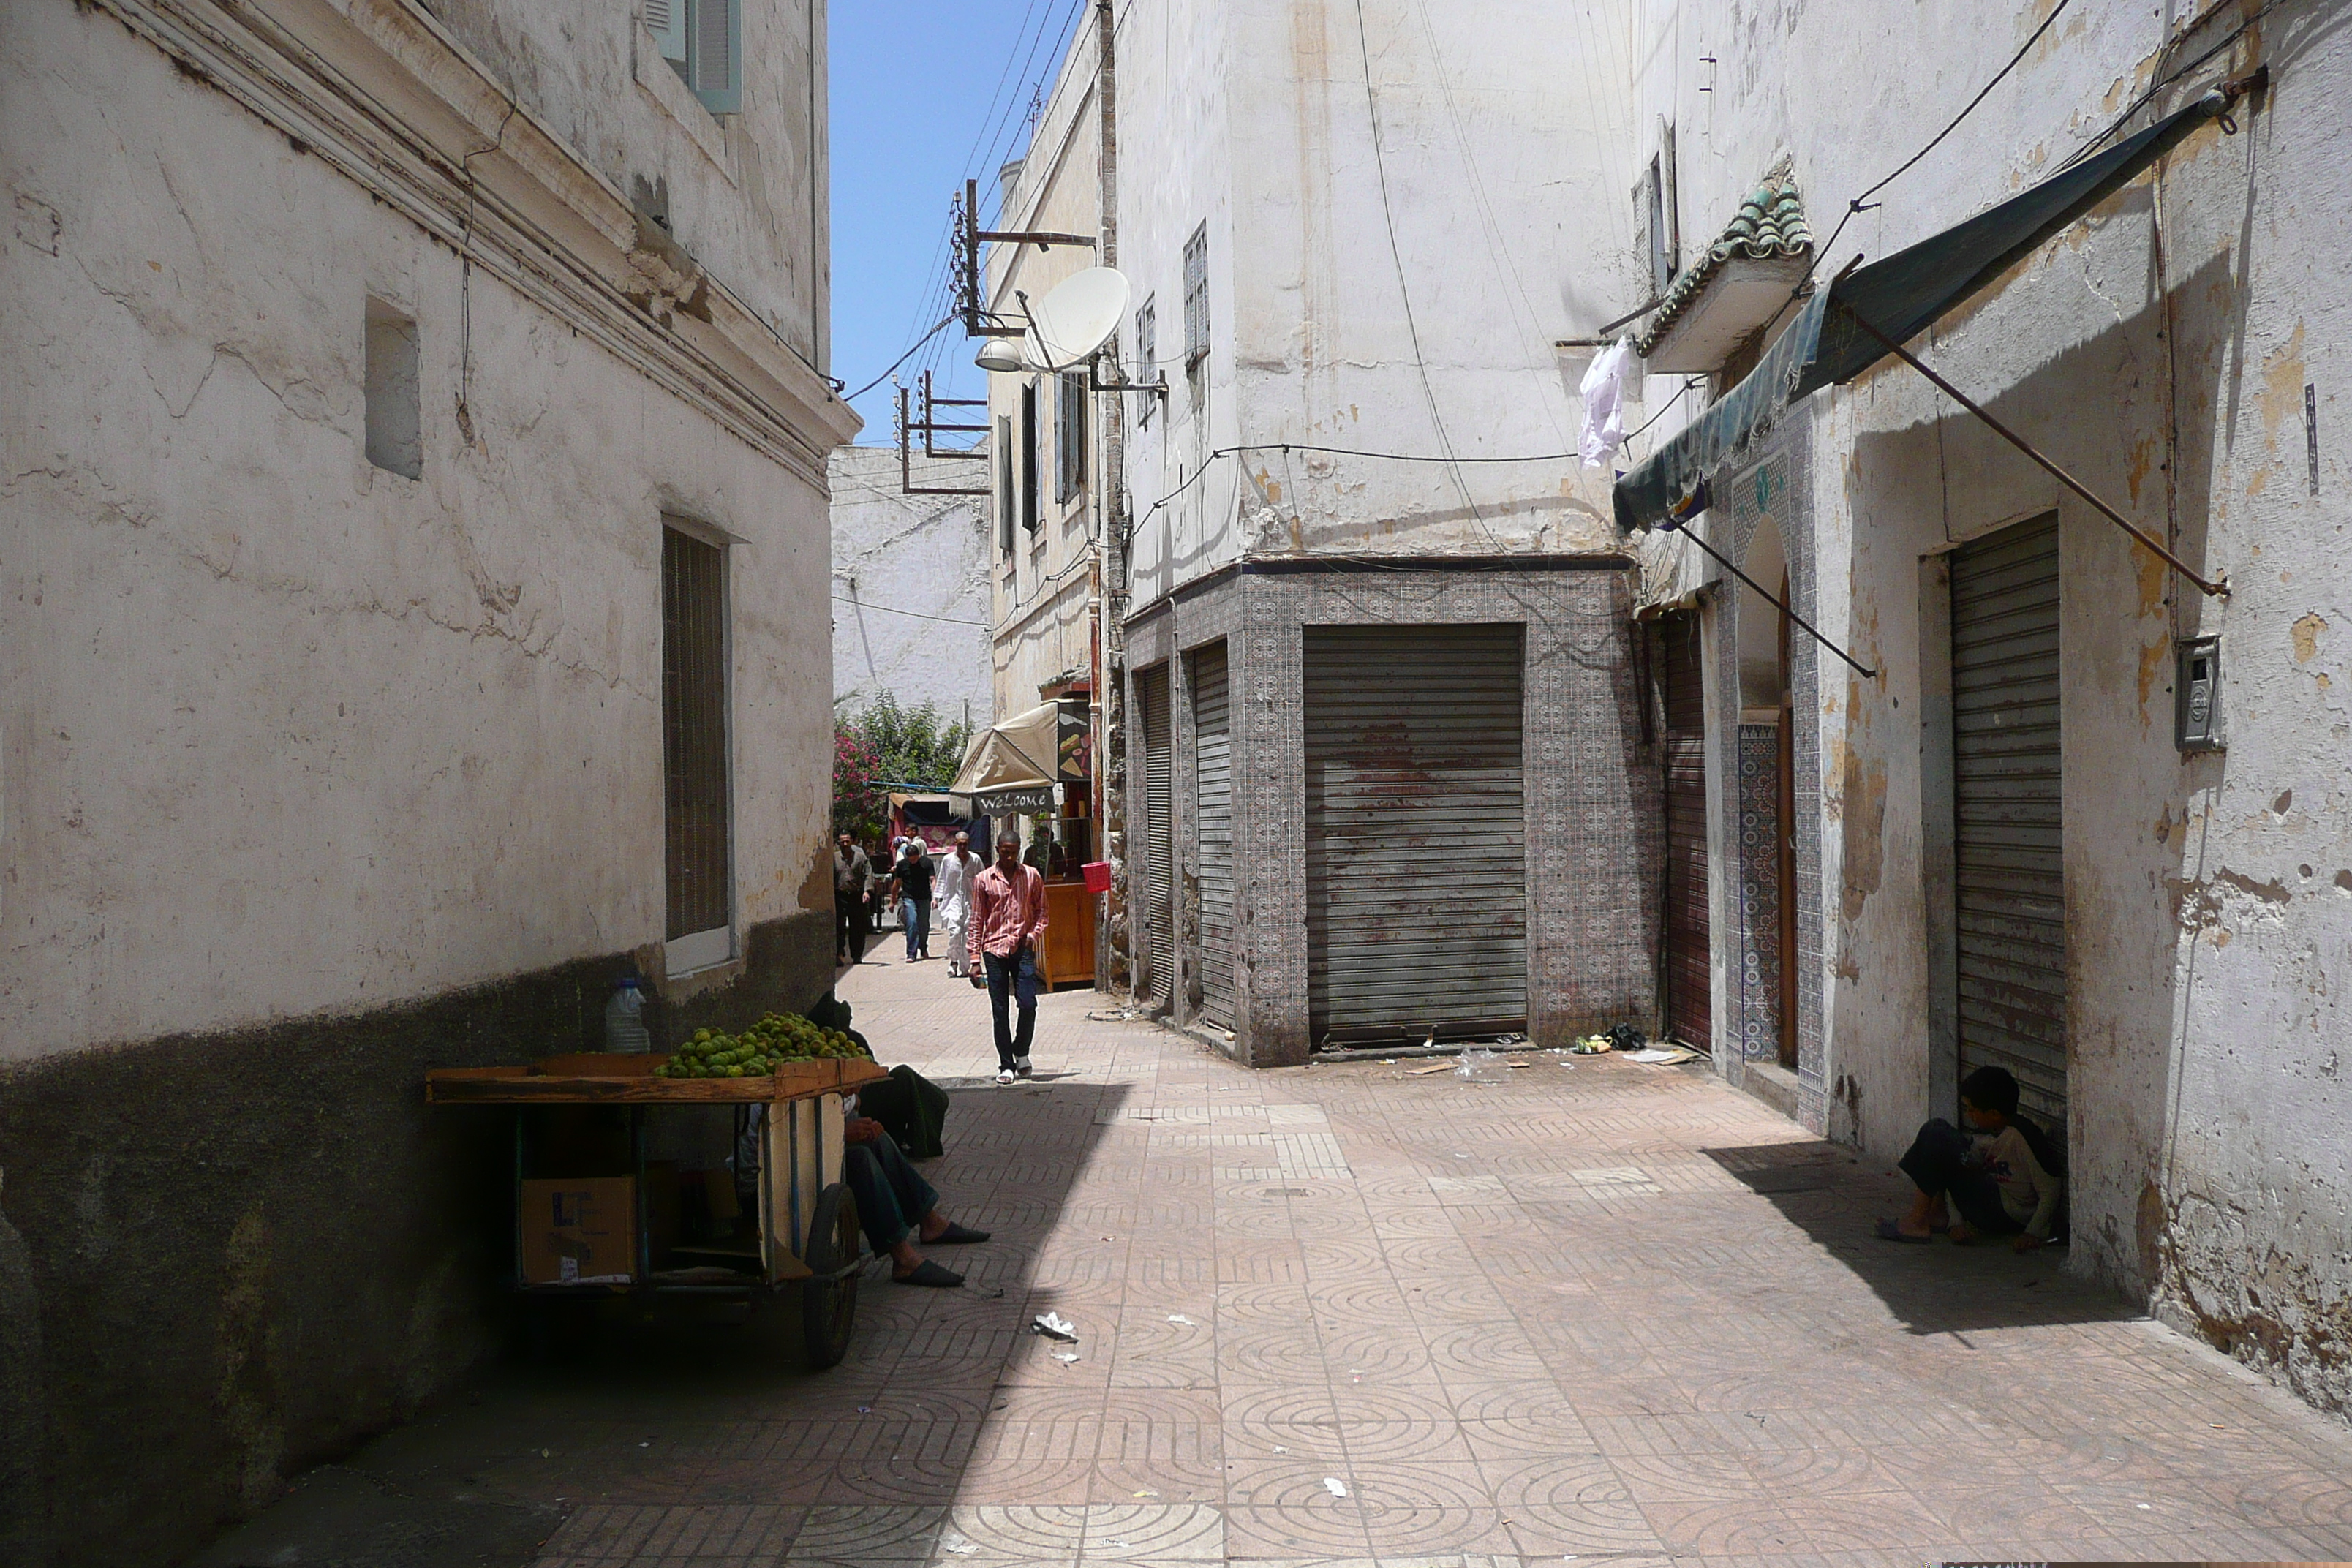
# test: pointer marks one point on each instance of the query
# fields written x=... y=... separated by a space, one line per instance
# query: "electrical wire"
x=1856 y=205
x=1404 y=293
x=917 y=614
x=902 y=359
x=2136 y=104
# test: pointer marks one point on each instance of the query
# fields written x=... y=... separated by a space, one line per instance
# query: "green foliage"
x=895 y=745
x=913 y=745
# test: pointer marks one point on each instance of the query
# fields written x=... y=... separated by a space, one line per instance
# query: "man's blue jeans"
x=915 y=914
x=1016 y=976
x=892 y=1196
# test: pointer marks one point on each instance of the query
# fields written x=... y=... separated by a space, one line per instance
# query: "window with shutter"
x=714 y=66
x=665 y=20
x=1069 y=435
x=1196 y=297
x=1029 y=518
x=1004 y=485
x=1147 y=352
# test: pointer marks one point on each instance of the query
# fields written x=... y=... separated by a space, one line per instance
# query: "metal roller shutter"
x=2011 y=915
x=1689 y=1017
x=1158 y=838
x=1213 y=752
x=1416 y=842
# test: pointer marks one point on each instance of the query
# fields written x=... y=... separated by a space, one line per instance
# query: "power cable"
x=2136 y=104
x=917 y=614
x=1404 y=292
x=902 y=359
x=1856 y=205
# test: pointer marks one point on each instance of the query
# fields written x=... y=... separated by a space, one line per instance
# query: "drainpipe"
x=1114 y=968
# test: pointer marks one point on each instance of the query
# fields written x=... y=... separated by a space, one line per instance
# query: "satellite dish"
x=1002 y=356
x=1079 y=317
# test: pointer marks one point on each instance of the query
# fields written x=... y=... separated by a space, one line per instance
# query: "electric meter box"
x=2196 y=694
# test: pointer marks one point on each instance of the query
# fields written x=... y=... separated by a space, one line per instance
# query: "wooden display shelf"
x=628 y=1080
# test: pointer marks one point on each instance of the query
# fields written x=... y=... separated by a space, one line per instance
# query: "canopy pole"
x=1867 y=672
x=2020 y=442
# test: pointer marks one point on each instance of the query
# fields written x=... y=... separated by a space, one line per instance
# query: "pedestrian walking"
x=952 y=901
x=1008 y=916
x=910 y=890
x=850 y=871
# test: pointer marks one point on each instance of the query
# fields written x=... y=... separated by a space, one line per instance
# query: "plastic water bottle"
x=624 y=1020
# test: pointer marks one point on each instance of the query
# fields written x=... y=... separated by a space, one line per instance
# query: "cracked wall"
x=2162 y=349
x=222 y=622
x=910 y=586
x=312 y=776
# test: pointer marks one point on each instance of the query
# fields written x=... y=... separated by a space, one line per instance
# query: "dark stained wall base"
x=236 y=1255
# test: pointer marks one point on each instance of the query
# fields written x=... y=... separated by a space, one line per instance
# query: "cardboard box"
x=581 y=1231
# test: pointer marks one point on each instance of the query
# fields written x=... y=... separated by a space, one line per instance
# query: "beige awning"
x=1018 y=754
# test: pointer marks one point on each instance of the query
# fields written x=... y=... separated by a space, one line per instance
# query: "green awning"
x=1901 y=296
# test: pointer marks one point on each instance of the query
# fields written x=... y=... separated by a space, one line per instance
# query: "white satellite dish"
x=1077 y=318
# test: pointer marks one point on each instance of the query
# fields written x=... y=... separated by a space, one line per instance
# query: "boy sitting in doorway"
x=2004 y=1176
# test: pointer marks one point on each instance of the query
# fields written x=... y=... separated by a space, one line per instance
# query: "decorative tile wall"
x=1758 y=930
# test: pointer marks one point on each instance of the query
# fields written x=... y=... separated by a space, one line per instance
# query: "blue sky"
x=925 y=92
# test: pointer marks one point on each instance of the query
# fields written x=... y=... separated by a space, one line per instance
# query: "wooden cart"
x=806 y=1226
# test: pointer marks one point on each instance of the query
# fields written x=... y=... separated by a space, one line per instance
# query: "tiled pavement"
x=1587 y=1311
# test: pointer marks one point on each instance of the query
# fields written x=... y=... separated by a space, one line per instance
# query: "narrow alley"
x=1574 y=1308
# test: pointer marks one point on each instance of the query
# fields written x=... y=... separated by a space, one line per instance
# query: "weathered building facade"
x=415 y=619
x=2080 y=818
x=909 y=586
x=1390 y=773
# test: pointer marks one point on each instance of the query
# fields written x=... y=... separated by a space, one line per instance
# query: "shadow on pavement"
x=1938 y=1288
x=680 y=1407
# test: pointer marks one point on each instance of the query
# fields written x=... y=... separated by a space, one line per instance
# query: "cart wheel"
x=829 y=1307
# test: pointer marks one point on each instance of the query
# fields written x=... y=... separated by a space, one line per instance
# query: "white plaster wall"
x=745 y=191
x=1507 y=169
x=2211 y=1117
x=1041 y=600
x=283 y=733
x=909 y=586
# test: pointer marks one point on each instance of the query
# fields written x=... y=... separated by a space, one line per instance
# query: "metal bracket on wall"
x=930 y=425
x=979 y=322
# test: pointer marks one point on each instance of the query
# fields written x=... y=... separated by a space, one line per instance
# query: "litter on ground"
x=1055 y=1326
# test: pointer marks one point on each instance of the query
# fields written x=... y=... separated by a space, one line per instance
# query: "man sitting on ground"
x=888 y=1192
x=2006 y=1180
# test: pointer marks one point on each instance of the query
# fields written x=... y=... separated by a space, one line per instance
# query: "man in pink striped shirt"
x=1008 y=916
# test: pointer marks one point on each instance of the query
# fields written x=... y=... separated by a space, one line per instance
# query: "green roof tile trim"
x=1769 y=222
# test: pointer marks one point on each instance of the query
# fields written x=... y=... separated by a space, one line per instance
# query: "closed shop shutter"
x=1689 y=1016
x=2012 y=915
x=1416 y=842
x=1158 y=838
x=1212 y=741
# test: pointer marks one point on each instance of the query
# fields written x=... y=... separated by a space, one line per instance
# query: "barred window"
x=699 y=859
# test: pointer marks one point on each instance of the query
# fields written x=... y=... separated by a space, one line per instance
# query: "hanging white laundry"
x=1603 y=390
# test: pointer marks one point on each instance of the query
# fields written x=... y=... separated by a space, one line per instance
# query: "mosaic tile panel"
x=1760 y=913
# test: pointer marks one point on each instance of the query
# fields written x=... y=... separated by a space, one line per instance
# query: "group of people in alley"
x=991 y=918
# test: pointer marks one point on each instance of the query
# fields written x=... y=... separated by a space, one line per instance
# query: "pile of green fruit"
x=754 y=1053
